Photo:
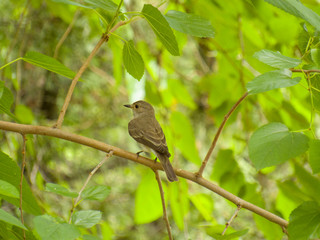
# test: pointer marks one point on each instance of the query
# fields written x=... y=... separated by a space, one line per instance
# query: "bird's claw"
x=138 y=153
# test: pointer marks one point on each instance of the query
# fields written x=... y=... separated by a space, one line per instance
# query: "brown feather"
x=150 y=134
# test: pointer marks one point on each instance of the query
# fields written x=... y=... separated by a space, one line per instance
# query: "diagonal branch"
x=109 y=155
x=165 y=216
x=57 y=133
x=231 y=219
x=216 y=137
x=104 y=38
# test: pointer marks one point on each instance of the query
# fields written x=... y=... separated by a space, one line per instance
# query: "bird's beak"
x=127 y=105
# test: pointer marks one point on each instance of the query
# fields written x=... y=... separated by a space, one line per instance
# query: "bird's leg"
x=155 y=160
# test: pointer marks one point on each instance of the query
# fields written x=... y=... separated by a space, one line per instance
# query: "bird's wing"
x=150 y=134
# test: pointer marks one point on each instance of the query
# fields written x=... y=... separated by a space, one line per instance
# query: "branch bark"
x=53 y=132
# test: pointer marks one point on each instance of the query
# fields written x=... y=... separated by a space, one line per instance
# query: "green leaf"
x=58 y=189
x=184 y=137
x=180 y=92
x=161 y=28
x=147 y=206
x=50 y=229
x=297 y=9
x=227 y=173
x=310 y=184
x=190 y=24
x=49 y=63
x=314 y=155
x=96 y=193
x=86 y=218
x=315 y=55
x=204 y=204
x=179 y=202
x=233 y=235
x=271 y=80
x=276 y=59
x=24 y=114
x=103 y=4
x=132 y=60
x=267 y=228
x=90 y=237
x=305 y=222
x=273 y=144
x=72 y=3
x=292 y=191
x=8 y=189
x=6 y=101
x=8 y=218
x=10 y=172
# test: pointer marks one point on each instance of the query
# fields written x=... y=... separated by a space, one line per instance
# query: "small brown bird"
x=145 y=129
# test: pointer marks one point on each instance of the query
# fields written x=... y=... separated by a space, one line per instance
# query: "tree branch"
x=104 y=38
x=47 y=131
x=216 y=137
x=165 y=216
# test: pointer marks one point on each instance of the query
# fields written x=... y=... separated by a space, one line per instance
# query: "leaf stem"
x=20 y=58
x=312 y=104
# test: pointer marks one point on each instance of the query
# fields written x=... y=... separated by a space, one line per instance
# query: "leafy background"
x=268 y=153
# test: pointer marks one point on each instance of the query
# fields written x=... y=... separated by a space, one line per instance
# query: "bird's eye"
x=136 y=106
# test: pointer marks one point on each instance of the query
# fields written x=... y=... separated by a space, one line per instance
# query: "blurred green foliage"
x=225 y=48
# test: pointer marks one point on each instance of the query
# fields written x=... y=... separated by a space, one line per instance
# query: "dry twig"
x=216 y=137
x=74 y=205
x=231 y=219
x=165 y=216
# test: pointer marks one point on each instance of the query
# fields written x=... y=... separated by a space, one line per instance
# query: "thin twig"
x=312 y=104
x=240 y=34
x=216 y=137
x=165 y=216
x=104 y=38
x=57 y=133
x=21 y=179
x=65 y=35
x=74 y=205
x=305 y=71
x=15 y=39
x=231 y=219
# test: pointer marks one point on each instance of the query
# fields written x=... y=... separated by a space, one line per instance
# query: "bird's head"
x=141 y=108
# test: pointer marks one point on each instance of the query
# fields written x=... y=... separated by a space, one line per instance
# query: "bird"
x=145 y=129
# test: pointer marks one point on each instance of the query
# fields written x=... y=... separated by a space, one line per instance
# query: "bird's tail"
x=167 y=167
